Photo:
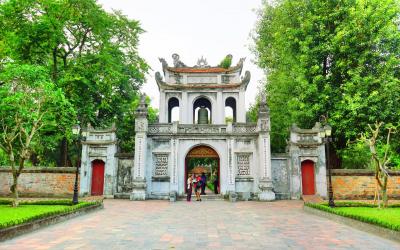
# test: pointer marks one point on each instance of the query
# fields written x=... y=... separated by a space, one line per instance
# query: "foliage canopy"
x=89 y=53
x=335 y=58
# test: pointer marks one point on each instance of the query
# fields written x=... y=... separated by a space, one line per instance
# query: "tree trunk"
x=55 y=69
x=64 y=153
x=14 y=189
x=384 y=198
x=384 y=191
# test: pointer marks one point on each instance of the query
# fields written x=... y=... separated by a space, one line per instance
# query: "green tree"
x=29 y=104
x=91 y=54
x=335 y=58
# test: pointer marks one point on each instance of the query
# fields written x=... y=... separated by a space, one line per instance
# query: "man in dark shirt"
x=203 y=183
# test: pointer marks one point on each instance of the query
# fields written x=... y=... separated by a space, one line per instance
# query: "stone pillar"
x=139 y=171
x=84 y=183
x=220 y=117
x=241 y=108
x=264 y=147
x=163 y=114
x=184 y=109
x=231 y=172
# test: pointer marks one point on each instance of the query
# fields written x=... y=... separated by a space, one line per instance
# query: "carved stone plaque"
x=161 y=165
x=124 y=176
x=243 y=164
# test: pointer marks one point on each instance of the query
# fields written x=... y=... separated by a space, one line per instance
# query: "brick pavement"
x=123 y=224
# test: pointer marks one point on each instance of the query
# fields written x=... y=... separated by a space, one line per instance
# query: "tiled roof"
x=200 y=70
x=203 y=86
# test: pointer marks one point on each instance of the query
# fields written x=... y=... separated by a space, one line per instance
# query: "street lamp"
x=325 y=135
x=76 y=131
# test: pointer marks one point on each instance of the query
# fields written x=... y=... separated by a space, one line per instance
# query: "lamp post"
x=76 y=131
x=325 y=135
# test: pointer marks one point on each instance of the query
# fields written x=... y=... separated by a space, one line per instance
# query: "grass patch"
x=29 y=211
x=369 y=213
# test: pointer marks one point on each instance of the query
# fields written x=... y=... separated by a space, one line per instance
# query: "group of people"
x=198 y=183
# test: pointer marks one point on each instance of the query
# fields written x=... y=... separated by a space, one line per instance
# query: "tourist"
x=197 y=188
x=216 y=184
x=189 y=188
x=203 y=183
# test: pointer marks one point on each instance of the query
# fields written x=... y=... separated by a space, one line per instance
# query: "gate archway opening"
x=204 y=159
x=97 y=177
x=308 y=177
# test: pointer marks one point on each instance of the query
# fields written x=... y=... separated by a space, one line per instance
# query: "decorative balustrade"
x=201 y=129
x=244 y=128
x=160 y=128
x=168 y=128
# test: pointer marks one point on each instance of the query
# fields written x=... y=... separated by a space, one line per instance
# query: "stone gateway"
x=193 y=123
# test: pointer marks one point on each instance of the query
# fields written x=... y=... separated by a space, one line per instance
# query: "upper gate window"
x=173 y=109
x=230 y=110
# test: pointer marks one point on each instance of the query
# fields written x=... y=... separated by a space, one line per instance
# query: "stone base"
x=139 y=190
x=172 y=196
x=267 y=195
x=138 y=195
x=232 y=196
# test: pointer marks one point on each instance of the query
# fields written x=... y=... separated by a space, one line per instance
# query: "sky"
x=192 y=29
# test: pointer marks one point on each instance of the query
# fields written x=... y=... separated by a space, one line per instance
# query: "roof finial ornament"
x=177 y=63
x=202 y=62
x=263 y=98
x=141 y=110
x=263 y=110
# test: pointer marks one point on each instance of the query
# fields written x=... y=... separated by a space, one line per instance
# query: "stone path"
x=123 y=224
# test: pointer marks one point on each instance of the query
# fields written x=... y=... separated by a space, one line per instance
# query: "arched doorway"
x=308 y=177
x=97 y=177
x=203 y=159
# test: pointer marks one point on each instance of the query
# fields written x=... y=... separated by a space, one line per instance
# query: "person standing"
x=189 y=188
x=203 y=183
x=216 y=184
x=197 y=188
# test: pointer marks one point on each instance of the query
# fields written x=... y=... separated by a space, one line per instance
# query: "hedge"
x=38 y=202
x=363 y=218
x=61 y=207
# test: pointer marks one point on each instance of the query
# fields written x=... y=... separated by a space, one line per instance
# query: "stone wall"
x=360 y=184
x=40 y=182
x=281 y=176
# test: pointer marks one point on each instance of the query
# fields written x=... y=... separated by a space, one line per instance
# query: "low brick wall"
x=353 y=184
x=40 y=182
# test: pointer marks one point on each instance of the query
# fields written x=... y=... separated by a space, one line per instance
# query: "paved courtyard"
x=123 y=224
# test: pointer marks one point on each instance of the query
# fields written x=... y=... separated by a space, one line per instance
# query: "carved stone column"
x=265 y=181
x=139 y=171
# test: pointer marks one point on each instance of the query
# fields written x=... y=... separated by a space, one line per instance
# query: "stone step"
x=207 y=197
x=312 y=198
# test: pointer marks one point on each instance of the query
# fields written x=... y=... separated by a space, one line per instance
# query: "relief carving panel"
x=243 y=164
x=161 y=165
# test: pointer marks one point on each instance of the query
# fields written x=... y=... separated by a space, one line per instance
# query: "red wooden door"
x=97 y=177
x=307 y=177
